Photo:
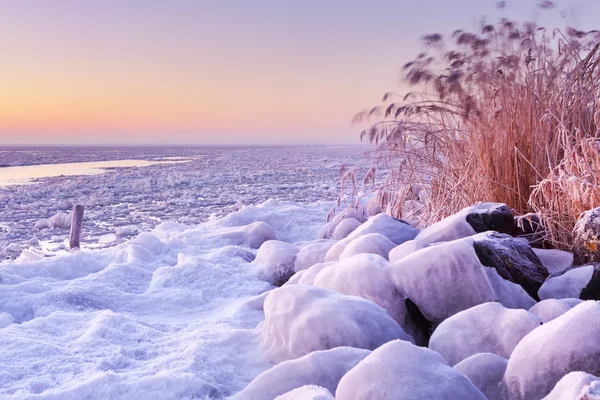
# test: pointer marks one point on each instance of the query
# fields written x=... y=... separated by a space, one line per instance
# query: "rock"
x=300 y=319
x=312 y=253
x=307 y=393
x=395 y=230
x=580 y=283
x=326 y=231
x=401 y=370
x=307 y=276
x=586 y=237
x=577 y=386
x=469 y=221
x=565 y=344
x=447 y=278
x=320 y=368
x=549 y=309
x=274 y=261
x=406 y=248
x=485 y=371
x=486 y=328
x=372 y=243
x=554 y=260
x=344 y=228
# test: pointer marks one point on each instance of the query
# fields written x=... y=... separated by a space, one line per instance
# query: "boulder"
x=327 y=230
x=586 y=237
x=372 y=243
x=401 y=370
x=549 y=309
x=300 y=319
x=486 y=372
x=554 y=260
x=344 y=228
x=320 y=368
x=307 y=393
x=395 y=230
x=274 y=261
x=549 y=352
x=469 y=221
x=577 y=386
x=486 y=328
x=580 y=283
x=406 y=248
x=312 y=253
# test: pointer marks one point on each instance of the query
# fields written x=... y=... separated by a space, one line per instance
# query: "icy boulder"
x=580 y=283
x=344 y=228
x=486 y=328
x=447 y=278
x=372 y=243
x=300 y=319
x=312 y=253
x=586 y=237
x=565 y=344
x=307 y=393
x=401 y=370
x=274 y=261
x=469 y=221
x=549 y=309
x=395 y=230
x=405 y=249
x=307 y=276
x=327 y=230
x=554 y=260
x=485 y=371
x=252 y=235
x=576 y=386
x=320 y=368
x=366 y=276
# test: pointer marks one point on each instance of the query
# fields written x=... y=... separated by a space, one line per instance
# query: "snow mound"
x=485 y=371
x=565 y=344
x=579 y=282
x=312 y=253
x=307 y=393
x=549 y=309
x=576 y=385
x=252 y=235
x=401 y=370
x=274 y=261
x=372 y=243
x=320 y=368
x=334 y=253
x=405 y=249
x=300 y=319
x=307 y=276
x=344 y=228
x=486 y=328
x=554 y=260
x=327 y=230
x=395 y=230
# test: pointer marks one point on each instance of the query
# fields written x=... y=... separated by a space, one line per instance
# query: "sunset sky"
x=215 y=71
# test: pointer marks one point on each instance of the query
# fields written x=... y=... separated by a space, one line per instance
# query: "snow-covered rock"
x=549 y=352
x=307 y=276
x=469 y=221
x=485 y=371
x=576 y=386
x=320 y=368
x=5 y=319
x=549 y=309
x=309 y=392
x=395 y=230
x=447 y=278
x=312 y=253
x=486 y=328
x=371 y=243
x=554 y=260
x=401 y=370
x=579 y=282
x=327 y=230
x=57 y=221
x=252 y=235
x=274 y=261
x=406 y=248
x=344 y=228
x=586 y=237
x=300 y=319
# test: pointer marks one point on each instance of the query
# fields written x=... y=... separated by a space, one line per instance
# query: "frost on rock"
x=586 y=237
x=549 y=309
x=580 y=283
x=405 y=249
x=312 y=253
x=395 y=230
x=366 y=276
x=344 y=228
x=447 y=278
x=300 y=319
x=401 y=370
x=554 y=260
x=565 y=344
x=485 y=371
x=327 y=230
x=469 y=221
x=320 y=368
x=372 y=243
x=274 y=261
x=576 y=386
x=307 y=393
x=486 y=328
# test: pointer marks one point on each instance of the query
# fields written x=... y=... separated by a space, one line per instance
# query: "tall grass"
x=508 y=114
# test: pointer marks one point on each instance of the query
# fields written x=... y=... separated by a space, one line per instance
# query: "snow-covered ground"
x=125 y=201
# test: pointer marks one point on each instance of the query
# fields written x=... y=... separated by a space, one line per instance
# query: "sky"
x=217 y=71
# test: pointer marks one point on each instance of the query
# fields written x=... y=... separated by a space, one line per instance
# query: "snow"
x=396 y=231
x=170 y=314
x=312 y=253
x=549 y=309
x=307 y=393
x=403 y=250
x=568 y=285
x=274 y=261
x=344 y=228
x=576 y=385
x=320 y=368
x=307 y=276
x=555 y=260
x=372 y=243
x=348 y=213
x=300 y=319
x=485 y=371
x=401 y=370
x=565 y=344
x=486 y=328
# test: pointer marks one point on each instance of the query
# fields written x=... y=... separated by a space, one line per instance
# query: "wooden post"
x=76 y=223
